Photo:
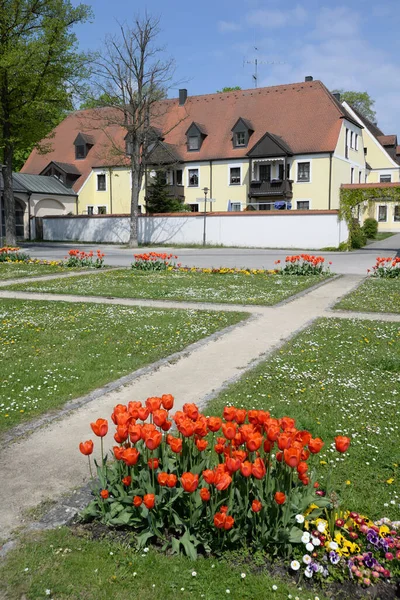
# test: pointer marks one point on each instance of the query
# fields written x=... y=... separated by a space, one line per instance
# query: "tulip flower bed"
x=386 y=267
x=233 y=287
x=153 y=261
x=304 y=264
x=214 y=483
x=87 y=260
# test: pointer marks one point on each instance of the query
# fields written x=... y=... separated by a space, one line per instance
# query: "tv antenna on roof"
x=257 y=62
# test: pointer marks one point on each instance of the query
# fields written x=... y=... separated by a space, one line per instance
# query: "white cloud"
x=274 y=19
x=228 y=26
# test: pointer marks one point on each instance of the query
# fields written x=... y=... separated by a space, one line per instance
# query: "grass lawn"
x=193 y=287
x=17 y=270
x=338 y=377
x=383 y=235
x=63 y=566
x=374 y=295
x=51 y=352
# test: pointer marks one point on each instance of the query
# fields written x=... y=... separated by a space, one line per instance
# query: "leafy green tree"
x=229 y=89
x=40 y=70
x=102 y=100
x=159 y=199
x=361 y=101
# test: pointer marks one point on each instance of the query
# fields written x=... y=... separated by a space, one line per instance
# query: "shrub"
x=386 y=267
x=153 y=261
x=357 y=237
x=370 y=228
x=303 y=264
x=78 y=258
x=215 y=483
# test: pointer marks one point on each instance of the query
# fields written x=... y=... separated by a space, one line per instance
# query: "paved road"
x=348 y=263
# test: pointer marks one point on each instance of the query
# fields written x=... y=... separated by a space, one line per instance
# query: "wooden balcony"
x=275 y=187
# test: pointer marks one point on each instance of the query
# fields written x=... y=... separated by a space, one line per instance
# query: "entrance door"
x=19 y=220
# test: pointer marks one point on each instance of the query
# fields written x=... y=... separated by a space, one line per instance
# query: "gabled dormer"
x=195 y=137
x=83 y=142
x=270 y=145
x=241 y=133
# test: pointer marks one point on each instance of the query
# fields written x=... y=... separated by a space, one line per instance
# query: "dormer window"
x=83 y=142
x=195 y=136
x=194 y=142
x=240 y=138
x=241 y=133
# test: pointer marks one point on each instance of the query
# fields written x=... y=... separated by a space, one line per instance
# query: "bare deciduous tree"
x=135 y=74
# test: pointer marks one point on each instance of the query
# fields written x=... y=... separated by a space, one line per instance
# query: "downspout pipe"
x=211 y=184
x=330 y=181
x=29 y=218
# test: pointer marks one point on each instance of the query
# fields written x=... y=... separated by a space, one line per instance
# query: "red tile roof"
x=387 y=140
x=305 y=115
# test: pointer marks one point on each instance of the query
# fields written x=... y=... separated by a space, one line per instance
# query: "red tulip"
x=143 y=413
x=205 y=494
x=254 y=442
x=86 y=447
x=162 y=478
x=222 y=481
x=201 y=445
x=229 y=522
x=167 y=401
x=176 y=445
x=191 y=411
x=104 y=494
x=153 y=463
x=153 y=440
x=100 y=427
x=229 y=430
x=137 y=501
x=280 y=498
x=189 y=482
x=127 y=480
x=229 y=413
x=219 y=520
x=214 y=424
x=258 y=468
x=245 y=468
x=256 y=506
x=118 y=452
x=291 y=456
x=130 y=456
x=315 y=445
x=172 y=480
x=149 y=501
x=209 y=476
x=153 y=404
x=342 y=443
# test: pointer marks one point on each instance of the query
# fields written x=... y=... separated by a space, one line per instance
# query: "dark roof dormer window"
x=83 y=142
x=195 y=136
x=241 y=133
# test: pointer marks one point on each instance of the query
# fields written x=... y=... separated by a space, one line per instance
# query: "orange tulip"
x=130 y=456
x=232 y=464
x=153 y=440
x=258 y=468
x=118 y=452
x=302 y=468
x=222 y=481
x=153 y=463
x=268 y=446
x=241 y=414
x=133 y=408
x=256 y=506
x=214 y=424
x=172 y=480
x=286 y=423
x=279 y=456
x=149 y=501
x=167 y=401
x=229 y=413
x=167 y=426
x=201 y=445
x=143 y=413
x=342 y=443
x=137 y=501
x=219 y=520
x=100 y=427
x=189 y=482
x=122 y=418
x=153 y=404
x=122 y=433
x=315 y=445
x=209 y=476
x=205 y=494
x=229 y=430
x=280 y=498
x=86 y=447
x=186 y=427
x=284 y=441
x=191 y=411
x=162 y=478
x=104 y=494
x=254 y=442
x=273 y=433
x=229 y=522
x=119 y=408
x=127 y=480
x=200 y=426
x=245 y=468
x=291 y=456
x=135 y=433
x=176 y=445
x=159 y=417
x=219 y=448
x=224 y=509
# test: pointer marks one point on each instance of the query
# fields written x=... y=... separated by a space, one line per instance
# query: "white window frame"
x=237 y=145
x=234 y=166
x=90 y=206
x=101 y=206
x=303 y=200
x=298 y=162
x=377 y=213
x=385 y=175
x=192 y=168
x=192 y=137
x=235 y=202
x=97 y=181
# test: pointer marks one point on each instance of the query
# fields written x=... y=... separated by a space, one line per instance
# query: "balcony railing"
x=277 y=187
x=176 y=191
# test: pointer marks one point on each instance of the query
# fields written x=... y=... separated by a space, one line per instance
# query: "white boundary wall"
x=298 y=229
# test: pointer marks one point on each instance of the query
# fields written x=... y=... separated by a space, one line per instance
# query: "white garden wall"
x=298 y=229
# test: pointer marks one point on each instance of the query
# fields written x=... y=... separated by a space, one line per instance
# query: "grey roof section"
x=67 y=168
x=41 y=184
x=17 y=187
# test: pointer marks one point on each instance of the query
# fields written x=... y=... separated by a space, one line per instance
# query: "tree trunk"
x=136 y=185
x=8 y=196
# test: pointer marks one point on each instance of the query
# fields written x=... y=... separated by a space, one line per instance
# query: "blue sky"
x=350 y=44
